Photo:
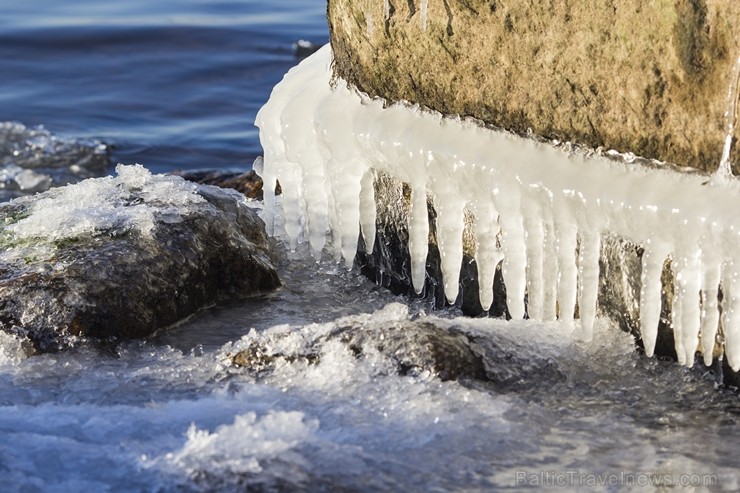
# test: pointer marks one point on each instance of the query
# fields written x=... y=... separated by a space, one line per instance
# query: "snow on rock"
x=548 y=204
x=120 y=257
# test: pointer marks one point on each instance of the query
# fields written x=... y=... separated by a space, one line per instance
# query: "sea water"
x=172 y=413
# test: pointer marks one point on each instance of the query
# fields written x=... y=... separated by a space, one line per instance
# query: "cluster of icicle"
x=539 y=210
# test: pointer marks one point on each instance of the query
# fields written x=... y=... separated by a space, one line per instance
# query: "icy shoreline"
x=532 y=203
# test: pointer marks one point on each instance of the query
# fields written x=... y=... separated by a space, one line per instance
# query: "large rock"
x=120 y=257
x=637 y=76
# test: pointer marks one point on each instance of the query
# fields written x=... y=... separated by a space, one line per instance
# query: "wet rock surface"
x=427 y=347
x=247 y=182
x=34 y=160
x=120 y=257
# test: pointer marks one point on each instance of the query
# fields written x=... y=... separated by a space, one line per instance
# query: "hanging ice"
x=423 y=14
x=724 y=170
x=538 y=209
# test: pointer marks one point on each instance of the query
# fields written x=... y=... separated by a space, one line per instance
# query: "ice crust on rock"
x=33 y=160
x=113 y=204
x=540 y=209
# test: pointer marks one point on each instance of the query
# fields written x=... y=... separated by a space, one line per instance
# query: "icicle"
x=709 y=307
x=450 y=224
x=653 y=259
x=269 y=182
x=725 y=170
x=367 y=210
x=423 y=14
x=589 y=252
x=290 y=179
x=271 y=141
x=514 y=268
x=301 y=148
x=549 y=272
x=347 y=196
x=418 y=236
x=687 y=288
x=336 y=238
x=566 y=242
x=731 y=314
x=535 y=240
x=487 y=254
x=677 y=323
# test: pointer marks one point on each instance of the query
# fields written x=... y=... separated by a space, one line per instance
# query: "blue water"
x=168 y=84
x=176 y=84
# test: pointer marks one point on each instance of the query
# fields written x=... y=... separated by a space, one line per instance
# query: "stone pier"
x=647 y=77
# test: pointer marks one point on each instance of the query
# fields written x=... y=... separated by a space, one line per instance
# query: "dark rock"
x=33 y=160
x=417 y=347
x=413 y=347
x=303 y=48
x=248 y=183
x=425 y=347
x=122 y=257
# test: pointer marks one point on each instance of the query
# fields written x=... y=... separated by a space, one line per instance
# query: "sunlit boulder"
x=120 y=257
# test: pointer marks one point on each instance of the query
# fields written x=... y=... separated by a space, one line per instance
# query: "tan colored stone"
x=649 y=77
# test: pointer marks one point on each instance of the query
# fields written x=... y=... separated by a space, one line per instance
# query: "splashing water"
x=547 y=203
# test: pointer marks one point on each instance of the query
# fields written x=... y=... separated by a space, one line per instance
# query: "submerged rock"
x=411 y=348
x=120 y=257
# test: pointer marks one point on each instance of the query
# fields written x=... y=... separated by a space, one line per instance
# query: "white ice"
x=423 y=14
x=547 y=207
x=129 y=201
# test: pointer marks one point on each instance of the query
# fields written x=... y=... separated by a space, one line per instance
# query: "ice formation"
x=724 y=169
x=423 y=14
x=121 y=203
x=545 y=206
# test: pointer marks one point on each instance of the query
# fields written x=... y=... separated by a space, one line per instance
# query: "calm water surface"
x=170 y=84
